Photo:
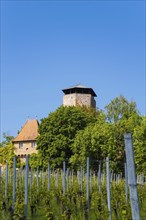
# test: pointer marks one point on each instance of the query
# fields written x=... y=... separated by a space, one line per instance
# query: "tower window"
x=20 y=145
x=33 y=144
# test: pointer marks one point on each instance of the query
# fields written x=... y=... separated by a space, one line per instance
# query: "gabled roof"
x=29 y=131
x=80 y=87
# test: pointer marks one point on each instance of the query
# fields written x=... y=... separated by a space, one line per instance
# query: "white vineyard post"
x=14 y=184
x=72 y=177
x=30 y=183
x=114 y=177
x=90 y=181
x=87 y=184
x=132 y=176
x=26 y=188
x=57 y=178
x=126 y=183
x=108 y=188
x=37 y=177
x=6 y=183
x=64 y=177
x=111 y=176
x=49 y=185
x=94 y=177
x=99 y=177
x=42 y=176
x=81 y=179
x=67 y=179
x=78 y=177
x=142 y=179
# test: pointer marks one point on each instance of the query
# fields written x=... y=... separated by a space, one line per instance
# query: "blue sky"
x=47 y=46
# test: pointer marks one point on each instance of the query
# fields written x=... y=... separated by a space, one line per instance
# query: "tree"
x=6 y=150
x=75 y=133
x=58 y=130
x=103 y=139
x=35 y=160
x=120 y=108
x=139 y=142
x=7 y=154
x=90 y=142
x=7 y=139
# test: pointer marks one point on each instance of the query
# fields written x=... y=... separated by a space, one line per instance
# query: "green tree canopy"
x=75 y=133
x=7 y=151
x=90 y=142
x=124 y=117
x=139 y=141
x=58 y=130
x=7 y=154
x=104 y=138
x=6 y=139
x=120 y=108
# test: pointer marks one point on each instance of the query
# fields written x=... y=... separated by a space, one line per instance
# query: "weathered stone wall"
x=79 y=99
x=93 y=102
x=69 y=100
x=25 y=150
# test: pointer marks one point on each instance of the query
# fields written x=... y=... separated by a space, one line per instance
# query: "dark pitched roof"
x=79 y=87
x=29 y=131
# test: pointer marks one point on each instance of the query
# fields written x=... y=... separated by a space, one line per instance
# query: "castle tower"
x=79 y=95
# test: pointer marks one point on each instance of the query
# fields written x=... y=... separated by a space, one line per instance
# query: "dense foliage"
x=6 y=150
x=58 y=130
x=72 y=134
x=139 y=136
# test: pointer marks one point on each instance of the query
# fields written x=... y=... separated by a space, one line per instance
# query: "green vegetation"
x=58 y=130
x=6 y=150
x=53 y=204
x=72 y=134
x=7 y=140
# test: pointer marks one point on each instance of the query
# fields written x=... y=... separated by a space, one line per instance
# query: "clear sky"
x=47 y=46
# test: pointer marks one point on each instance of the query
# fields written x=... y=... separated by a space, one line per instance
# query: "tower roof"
x=29 y=131
x=79 y=88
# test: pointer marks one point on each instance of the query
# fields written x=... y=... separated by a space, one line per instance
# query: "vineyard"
x=67 y=194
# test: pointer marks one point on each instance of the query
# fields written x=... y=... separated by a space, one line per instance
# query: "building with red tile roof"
x=25 y=141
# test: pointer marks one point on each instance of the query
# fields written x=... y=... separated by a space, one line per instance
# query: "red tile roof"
x=29 y=131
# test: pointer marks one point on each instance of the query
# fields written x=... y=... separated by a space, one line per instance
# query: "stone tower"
x=79 y=95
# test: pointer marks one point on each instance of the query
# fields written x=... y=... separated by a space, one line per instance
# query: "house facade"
x=25 y=142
